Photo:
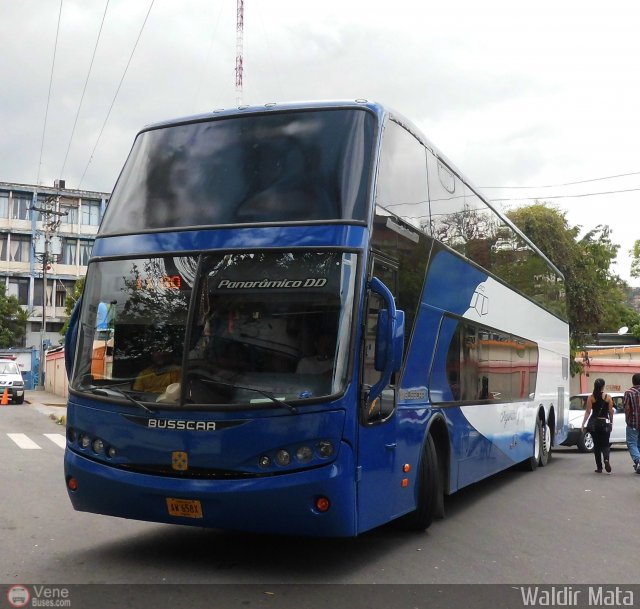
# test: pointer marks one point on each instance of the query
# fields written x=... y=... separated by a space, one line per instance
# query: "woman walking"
x=599 y=412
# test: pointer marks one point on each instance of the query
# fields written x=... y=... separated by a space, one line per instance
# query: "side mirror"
x=389 y=343
x=389 y=339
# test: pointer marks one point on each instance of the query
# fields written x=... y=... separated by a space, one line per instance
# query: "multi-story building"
x=24 y=228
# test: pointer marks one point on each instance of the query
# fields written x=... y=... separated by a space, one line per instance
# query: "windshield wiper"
x=262 y=392
x=105 y=392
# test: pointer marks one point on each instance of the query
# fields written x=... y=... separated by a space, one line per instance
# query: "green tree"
x=635 y=259
x=13 y=320
x=596 y=297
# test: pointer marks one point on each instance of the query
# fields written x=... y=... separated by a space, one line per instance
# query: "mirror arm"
x=70 y=338
x=376 y=286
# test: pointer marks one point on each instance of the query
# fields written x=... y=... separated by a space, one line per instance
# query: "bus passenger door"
x=377 y=475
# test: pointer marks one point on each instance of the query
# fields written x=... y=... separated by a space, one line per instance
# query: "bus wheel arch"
x=430 y=481
x=440 y=435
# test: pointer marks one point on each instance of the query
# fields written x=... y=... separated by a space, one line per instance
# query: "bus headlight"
x=264 y=461
x=283 y=457
x=85 y=440
x=325 y=449
x=304 y=454
x=98 y=446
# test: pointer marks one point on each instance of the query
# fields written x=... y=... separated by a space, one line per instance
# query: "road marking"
x=57 y=438
x=23 y=441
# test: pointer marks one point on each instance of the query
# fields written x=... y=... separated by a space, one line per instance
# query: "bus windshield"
x=280 y=167
x=217 y=329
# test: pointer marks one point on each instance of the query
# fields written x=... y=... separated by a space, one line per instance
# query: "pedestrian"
x=631 y=402
x=599 y=413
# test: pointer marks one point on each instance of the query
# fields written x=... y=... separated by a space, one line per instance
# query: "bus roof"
x=379 y=109
x=376 y=108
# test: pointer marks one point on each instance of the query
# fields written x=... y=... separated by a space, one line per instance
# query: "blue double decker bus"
x=303 y=319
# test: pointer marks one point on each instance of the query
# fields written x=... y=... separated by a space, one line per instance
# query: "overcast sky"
x=516 y=94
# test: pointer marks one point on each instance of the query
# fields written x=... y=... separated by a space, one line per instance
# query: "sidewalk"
x=45 y=402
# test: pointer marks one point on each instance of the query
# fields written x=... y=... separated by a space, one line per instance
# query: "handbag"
x=598 y=425
x=603 y=426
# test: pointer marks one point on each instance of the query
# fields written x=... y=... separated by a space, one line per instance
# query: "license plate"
x=186 y=508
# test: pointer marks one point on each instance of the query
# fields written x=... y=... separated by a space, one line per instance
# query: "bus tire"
x=531 y=464
x=429 y=491
x=545 y=443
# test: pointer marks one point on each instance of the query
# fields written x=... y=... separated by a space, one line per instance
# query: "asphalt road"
x=561 y=524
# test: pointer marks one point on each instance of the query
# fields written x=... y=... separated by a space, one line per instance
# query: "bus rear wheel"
x=533 y=461
x=429 y=491
x=545 y=443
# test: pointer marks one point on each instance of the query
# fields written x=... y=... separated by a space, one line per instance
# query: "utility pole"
x=51 y=218
x=239 y=57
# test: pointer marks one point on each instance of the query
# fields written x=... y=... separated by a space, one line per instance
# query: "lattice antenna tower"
x=239 y=59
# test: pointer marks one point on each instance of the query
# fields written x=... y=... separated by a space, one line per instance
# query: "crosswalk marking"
x=57 y=438
x=23 y=441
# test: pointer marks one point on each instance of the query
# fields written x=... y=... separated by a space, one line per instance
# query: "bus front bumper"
x=282 y=504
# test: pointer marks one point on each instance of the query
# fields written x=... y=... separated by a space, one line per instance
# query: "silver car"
x=584 y=441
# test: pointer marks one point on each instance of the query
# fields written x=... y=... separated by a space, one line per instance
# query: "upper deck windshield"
x=254 y=168
x=266 y=327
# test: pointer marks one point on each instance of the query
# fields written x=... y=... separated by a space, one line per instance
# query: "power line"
x=586 y=194
x=75 y=122
x=46 y=112
x=273 y=63
x=622 y=175
x=545 y=197
x=202 y=79
x=116 y=94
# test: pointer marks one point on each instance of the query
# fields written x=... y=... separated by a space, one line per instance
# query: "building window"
x=63 y=289
x=85 y=252
x=4 y=204
x=54 y=326
x=4 y=241
x=72 y=214
x=20 y=204
x=69 y=251
x=37 y=293
x=19 y=287
x=90 y=213
x=19 y=248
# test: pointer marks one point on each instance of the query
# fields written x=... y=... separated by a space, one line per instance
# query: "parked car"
x=584 y=441
x=11 y=380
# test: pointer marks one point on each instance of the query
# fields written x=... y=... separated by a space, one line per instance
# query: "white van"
x=11 y=380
